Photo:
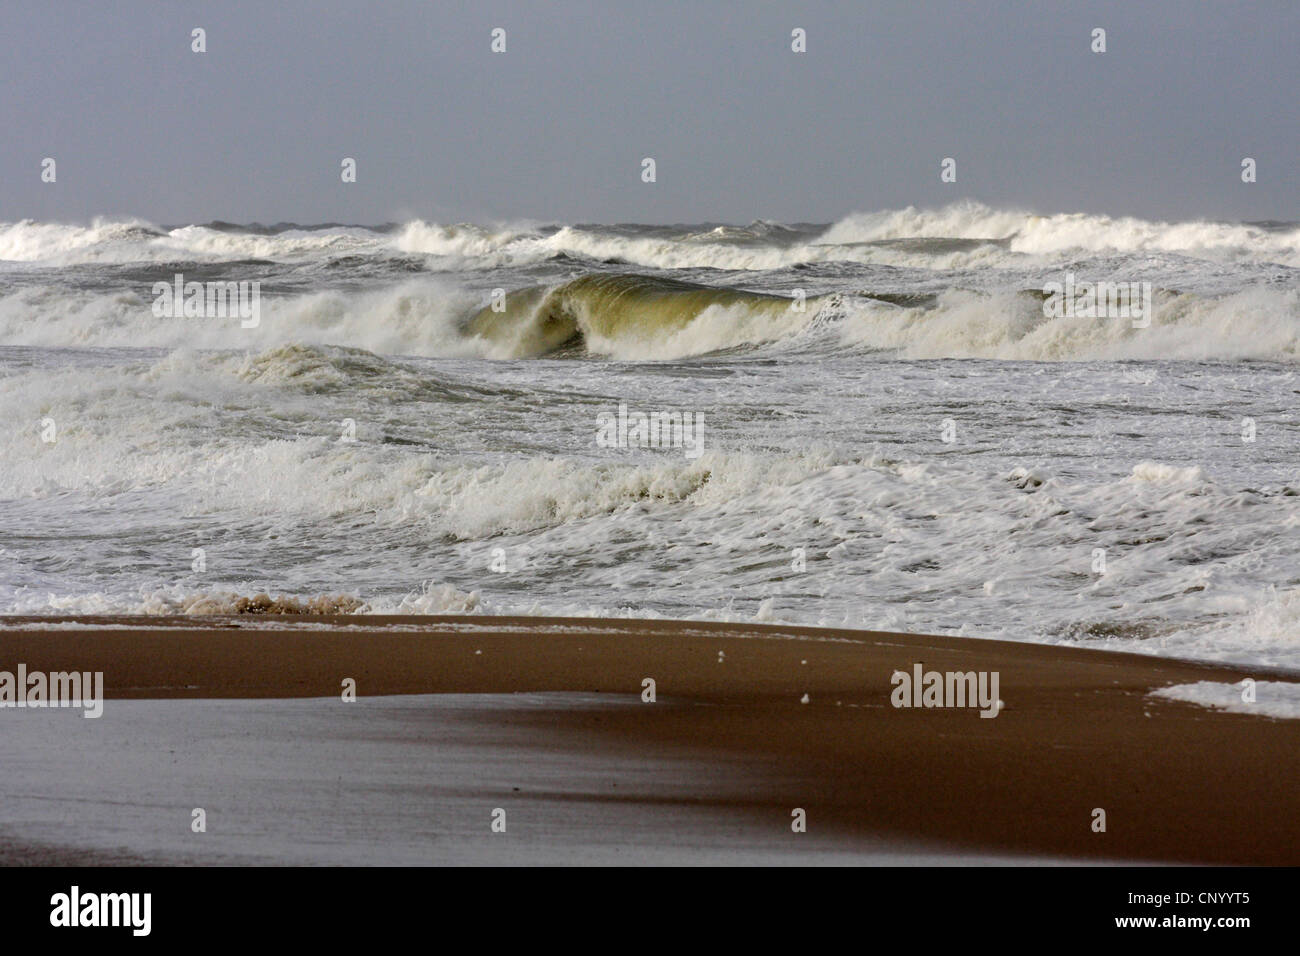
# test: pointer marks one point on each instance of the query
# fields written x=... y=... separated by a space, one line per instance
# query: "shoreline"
x=1178 y=783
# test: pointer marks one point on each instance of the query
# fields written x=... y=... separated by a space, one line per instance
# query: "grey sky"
x=556 y=127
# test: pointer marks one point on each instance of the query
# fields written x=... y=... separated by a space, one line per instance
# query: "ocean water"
x=894 y=435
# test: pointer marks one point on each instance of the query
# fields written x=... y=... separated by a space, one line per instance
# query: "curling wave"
x=636 y=317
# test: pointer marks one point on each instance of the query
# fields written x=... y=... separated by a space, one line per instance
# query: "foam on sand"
x=1279 y=699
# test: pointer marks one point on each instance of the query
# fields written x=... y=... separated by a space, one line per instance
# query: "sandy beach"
x=545 y=718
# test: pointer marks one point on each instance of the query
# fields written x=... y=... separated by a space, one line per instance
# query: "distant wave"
x=108 y=241
x=1033 y=234
x=961 y=235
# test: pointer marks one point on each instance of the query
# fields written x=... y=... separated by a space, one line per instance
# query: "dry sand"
x=1078 y=731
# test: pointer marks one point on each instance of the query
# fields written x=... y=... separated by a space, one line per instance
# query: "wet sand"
x=730 y=735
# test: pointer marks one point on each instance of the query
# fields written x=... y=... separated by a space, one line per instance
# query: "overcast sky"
x=556 y=127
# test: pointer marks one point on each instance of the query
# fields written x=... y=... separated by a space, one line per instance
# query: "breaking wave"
x=633 y=317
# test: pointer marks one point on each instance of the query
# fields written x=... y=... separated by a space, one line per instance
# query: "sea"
x=909 y=420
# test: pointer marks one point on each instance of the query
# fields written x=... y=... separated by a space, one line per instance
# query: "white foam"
x=1277 y=699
